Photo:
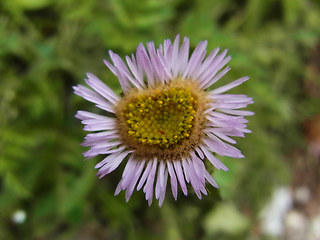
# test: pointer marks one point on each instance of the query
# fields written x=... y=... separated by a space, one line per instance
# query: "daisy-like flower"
x=167 y=124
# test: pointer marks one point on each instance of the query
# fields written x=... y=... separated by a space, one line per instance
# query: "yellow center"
x=164 y=121
x=162 y=118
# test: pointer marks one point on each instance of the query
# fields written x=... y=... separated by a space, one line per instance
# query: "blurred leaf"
x=31 y=4
x=227 y=219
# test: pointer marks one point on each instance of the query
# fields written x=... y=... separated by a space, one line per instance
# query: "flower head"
x=167 y=124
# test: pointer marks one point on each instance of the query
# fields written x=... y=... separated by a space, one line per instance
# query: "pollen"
x=162 y=118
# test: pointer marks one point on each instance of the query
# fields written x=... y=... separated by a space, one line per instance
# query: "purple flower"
x=167 y=124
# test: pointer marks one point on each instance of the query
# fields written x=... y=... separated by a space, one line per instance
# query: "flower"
x=167 y=124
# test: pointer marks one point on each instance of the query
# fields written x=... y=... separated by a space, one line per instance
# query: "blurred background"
x=47 y=191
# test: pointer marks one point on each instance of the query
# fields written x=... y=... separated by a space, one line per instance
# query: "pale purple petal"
x=136 y=71
x=144 y=175
x=144 y=61
x=101 y=88
x=237 y=112
x=214 y=161
x=112 y=164
x=148 y=188
x=216 y=78
x=220 y=135
x=134 y=181
x=229 y=86
x=194 y=180
x=92 y=96
x=173 y=178
x=186 y=170
x=119 y=72
x=183 y=56
x=84 y=115
x=178 y=168
x=127 y=174
x=163 y=191
x=217 y=63
x=206 y=67
x=195 y=59
x=160 y=179
x=210 y=179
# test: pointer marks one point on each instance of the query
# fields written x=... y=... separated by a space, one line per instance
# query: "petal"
x=229 y=86
x=178 y=168
x=174 y=183
x=101 y=88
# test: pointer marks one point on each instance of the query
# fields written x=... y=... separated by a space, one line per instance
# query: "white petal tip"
x=89 y=75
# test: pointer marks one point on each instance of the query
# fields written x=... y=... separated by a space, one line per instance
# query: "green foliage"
x=46 y=47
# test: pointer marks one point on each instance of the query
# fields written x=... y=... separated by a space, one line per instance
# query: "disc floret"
x=161 y=118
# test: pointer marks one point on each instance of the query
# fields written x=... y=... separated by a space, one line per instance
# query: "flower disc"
x=164 y=120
